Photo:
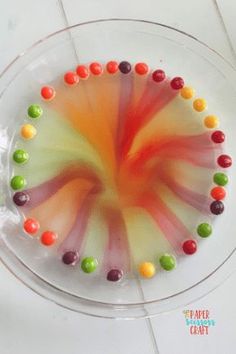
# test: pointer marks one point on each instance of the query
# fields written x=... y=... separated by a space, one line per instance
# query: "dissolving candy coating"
x=177 y=83
x=82 y=71
x=125 y=67
x=71 y=78
x=96 y=68
x=20 y=198
x=112 y=67
x=18 y=182
x=48 y=93
x=224 y=161
x=114 y=275
x=187 y=92
x=218 y=137
x=141 y=68
x=70 y=257
x=31 y=226
x=199 y=104
x=158 y=75
x=28 y=131
x=167 y=262
x=89 y=264
x=218 y=193
x=35 y=111
x=190 y=247
x=20 y=156
x=204 y=230
x=220 y=178
x=211 y=121
x=48 y=238
x=147 y=270
x=217 y=207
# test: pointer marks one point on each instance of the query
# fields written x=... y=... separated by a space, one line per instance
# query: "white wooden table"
x=30 y=324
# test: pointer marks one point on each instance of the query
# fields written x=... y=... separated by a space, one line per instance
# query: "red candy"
x=177 y=83
x=112 y=67
x=95 y=68
x=31 y=226
x=141 y=68
x=48 y=238
x=158 y=75
x=218 y=137
x=48 y=92
x=190 y=247
x=218 y=193
x=71 y=78
x=82 y=71
x=224 y=161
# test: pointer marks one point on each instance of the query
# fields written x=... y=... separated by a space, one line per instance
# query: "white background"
x=28 y=323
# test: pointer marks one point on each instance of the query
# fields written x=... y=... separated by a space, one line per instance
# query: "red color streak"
x=116 y=255
x=75 y=238
x=196 y=149
x=153 y=99
x=173 y=229
x=196 y=200
x=45 y=190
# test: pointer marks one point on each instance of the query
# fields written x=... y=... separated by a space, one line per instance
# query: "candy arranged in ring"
x=123 y=164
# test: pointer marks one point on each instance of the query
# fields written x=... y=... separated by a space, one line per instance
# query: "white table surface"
x=28 y=323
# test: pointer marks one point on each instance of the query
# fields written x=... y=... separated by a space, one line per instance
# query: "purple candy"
x=114 y=275
x=70 y=257
x=20 y=198
x=217 y=207
x=125 y=67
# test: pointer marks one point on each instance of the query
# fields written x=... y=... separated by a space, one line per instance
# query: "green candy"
x=89 y=264
x=35 y=111
x=20 y=156
x=220 y=178
x=18 y=182
x=204 y=230
x=167 y=261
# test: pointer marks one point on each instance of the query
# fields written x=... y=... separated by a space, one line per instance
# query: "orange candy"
x=95 y=68
x=82 y=71
x=31 y=226
x=218 y=193
x=48 y=238
x=112 y=67
x=71 y=78
x=141 y=68
x=47 y=93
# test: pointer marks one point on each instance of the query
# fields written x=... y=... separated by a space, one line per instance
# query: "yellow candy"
x=28 y=131
x=199 y=104
x=211 y=122
x=147 y=269
x=187 y=92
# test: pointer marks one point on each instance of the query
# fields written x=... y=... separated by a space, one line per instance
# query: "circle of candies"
x=220 y=179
